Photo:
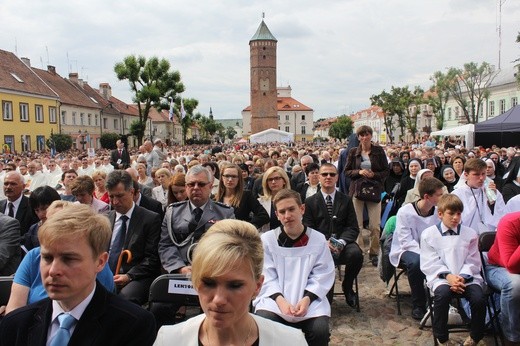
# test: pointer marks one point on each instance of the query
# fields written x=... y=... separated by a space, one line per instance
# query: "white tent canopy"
x=272 y=135
x=468 y=131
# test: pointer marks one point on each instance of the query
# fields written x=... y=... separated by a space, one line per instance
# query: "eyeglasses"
x=270 y=180
x=229 y=176
x=197 y=183
x=325 y=174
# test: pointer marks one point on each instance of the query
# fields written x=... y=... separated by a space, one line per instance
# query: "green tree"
x=342 y=128
x=108 y=140
x=439 y=97
x=384 y=101
x=61 y=142
x=137 y=128
x=151 y=82
x=469 y=87
x=189 y=118
x=230 y=132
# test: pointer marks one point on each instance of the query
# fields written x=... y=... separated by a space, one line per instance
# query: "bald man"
x=16 y=204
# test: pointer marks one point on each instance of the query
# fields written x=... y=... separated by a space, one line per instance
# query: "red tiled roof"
x=287 y=104
x=124 y=108
x=10 y=65
x=106 y=106
x=66 y=90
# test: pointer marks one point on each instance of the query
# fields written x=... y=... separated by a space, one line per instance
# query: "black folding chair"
x=5 y=289
x=174 y=289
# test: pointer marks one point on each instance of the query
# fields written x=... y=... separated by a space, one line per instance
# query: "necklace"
x=244 y=342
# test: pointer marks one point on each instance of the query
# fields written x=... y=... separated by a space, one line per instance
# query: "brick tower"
x=262 y=48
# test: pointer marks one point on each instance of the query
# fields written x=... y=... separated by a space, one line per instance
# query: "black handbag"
x=367 y=190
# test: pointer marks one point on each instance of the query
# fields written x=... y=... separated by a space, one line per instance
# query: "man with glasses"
x=297 y=180
x=332 y=213
x=183 y=225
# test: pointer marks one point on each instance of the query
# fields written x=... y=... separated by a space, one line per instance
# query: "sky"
x=334 y=54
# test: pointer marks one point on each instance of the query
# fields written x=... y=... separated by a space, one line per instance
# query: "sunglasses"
x=197 y=183
x=331 y=174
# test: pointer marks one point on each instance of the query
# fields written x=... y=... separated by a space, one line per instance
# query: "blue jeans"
x=509 y=286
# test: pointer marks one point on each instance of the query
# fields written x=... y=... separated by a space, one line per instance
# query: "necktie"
x=120 y=152
x=11 y=209
x=197 y=214
x=117 y=245
x=329 y=205
x=62 y=337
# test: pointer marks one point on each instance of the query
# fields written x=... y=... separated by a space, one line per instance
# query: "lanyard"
x=476 y=202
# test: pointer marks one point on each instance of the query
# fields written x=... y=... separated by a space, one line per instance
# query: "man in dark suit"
x=344 y=181
x=17 y=205
x=119 y=157
x=79 y=310
x=147 y=202
x=299 y=179
x=332 y=213
x=9 y=245
x=136 y=229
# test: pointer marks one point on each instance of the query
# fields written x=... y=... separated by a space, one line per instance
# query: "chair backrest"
x=5 y=289
x=173 y=288
x=485 y=241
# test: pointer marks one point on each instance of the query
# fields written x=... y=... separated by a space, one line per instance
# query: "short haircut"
x=311 y=167
x=363 y=130
x=475 y=165
x=197 y=169
x=82 y=184
x=119 y=176
x=429 y=186
x=100 y=174
x=77 y=221
x=330 y=165
x=450 y=202
x=164 y=171
x=225 y=246
x=43 y=196
x=70 y=171
x=286 y=194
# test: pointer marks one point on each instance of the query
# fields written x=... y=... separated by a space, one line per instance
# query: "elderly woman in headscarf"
x=491 y=174
x=448 y=177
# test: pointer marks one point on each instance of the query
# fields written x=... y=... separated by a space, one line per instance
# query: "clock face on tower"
x=264 y=84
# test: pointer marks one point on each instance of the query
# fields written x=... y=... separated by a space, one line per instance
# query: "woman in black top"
x=231 y=192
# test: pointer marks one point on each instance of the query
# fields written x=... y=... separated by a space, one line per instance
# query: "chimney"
x=105 y=90
x=26 y=61
x=81 y=82
x=73 y=77
x=51 y=69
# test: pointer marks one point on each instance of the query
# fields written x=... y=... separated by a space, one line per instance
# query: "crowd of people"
x=303 y=205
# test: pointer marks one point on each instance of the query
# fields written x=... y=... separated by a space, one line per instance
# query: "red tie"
x=120 y=152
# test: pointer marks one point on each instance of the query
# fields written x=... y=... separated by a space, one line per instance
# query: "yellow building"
x=29 y=107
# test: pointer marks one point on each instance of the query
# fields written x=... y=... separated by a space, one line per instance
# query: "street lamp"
x=83 y=134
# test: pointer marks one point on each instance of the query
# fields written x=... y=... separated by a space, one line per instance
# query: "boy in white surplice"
x=298 y=271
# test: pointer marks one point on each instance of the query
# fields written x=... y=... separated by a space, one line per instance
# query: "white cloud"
x=334 y=54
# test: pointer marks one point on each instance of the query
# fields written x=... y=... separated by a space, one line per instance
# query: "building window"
x=514 y=101
x=9 y=140
x=278 y=117
x=125 y=125
x=24 y=112
x=73 y=118
x=287 y=129
x=457 y=113
x=89 y=119
x=40 y=143
x=63 y=117
x=82 y=118
x=287 y=117
x=502 y=106
x=38 y=113
x=7 y=110
x=96 y=119
x=105 y=123
x=303 y=129
x=491 y=108
x=52 y=115
x=116 y=124
x=449 y=113
x=303 y=117
x=481 y=112
x=26 y=142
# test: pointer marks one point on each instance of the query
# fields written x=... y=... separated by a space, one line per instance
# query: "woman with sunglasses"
x=231 y=192
x=273 y=180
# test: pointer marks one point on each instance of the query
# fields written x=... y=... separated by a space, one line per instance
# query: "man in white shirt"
x=74 y=243
x=36 y=177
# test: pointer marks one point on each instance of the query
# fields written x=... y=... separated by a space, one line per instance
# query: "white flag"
x=183 y=112
x=171 y=110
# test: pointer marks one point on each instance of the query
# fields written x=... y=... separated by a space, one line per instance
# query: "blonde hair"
x=164 y=171
x=267 y=190
x=225 y=245
x=101 y=174
x=76 y=220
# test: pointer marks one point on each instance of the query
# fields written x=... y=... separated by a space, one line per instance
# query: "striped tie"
x=329 y=205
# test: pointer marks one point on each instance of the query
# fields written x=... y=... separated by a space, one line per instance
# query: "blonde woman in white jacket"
x=273 y=180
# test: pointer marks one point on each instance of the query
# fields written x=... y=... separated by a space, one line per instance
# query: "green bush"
x=108 y=140
x=62 y=142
